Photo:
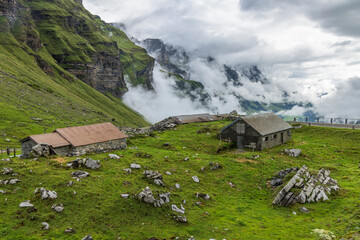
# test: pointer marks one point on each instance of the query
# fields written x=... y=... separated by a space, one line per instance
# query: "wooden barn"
x=259 y=131
x=78 y=140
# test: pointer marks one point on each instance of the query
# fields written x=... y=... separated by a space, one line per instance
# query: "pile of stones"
x=155 y=176
x=304 y=187
x=167 y=123
x=40 y=150
x=86 y=162
x=146 y=196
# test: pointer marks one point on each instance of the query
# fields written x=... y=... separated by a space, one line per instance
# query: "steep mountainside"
x=48 y=51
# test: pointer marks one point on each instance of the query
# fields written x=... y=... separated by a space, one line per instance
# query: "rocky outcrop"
x=172 y=59
x=20 y=23
x=304 y=187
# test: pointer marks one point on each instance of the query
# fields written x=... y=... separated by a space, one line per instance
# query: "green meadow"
x=244 y=211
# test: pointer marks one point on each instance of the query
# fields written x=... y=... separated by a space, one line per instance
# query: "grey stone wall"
x=26 y=147
x=62 y=151
x=99 y=147
x=275 y=141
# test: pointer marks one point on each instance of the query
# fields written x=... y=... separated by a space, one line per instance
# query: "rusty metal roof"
x=52 y=139
x=267 y=123
x=194 y=118
x=90 y=134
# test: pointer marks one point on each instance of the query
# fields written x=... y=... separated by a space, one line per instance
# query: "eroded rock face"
x=304 y=187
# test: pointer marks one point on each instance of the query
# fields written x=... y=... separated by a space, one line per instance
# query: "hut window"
x=289 y=133
x=275 y=136
x=266 y=139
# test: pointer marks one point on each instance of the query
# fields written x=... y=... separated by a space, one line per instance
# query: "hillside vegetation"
x=243 y=211
x=59 y=64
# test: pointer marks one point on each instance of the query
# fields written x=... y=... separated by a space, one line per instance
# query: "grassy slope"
x=27 y=92
x=243 y=212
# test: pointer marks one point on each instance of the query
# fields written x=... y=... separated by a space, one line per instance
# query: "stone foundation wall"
x=99 y=147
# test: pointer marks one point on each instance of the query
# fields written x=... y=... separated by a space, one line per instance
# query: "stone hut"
x=259 y=131
x=78 y=140
x=183 y=119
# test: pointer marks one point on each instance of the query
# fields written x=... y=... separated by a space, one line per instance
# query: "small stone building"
x=78 y=140
x=183 y=119
x=259 y=131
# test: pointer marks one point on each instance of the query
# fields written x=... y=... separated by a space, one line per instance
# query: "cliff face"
x=81 y=43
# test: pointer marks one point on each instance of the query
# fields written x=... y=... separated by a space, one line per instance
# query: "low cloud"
x=307 y=48
x=343 y=102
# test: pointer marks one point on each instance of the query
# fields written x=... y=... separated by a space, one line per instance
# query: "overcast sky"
x=312 y=46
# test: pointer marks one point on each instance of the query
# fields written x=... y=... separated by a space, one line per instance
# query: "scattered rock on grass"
x=80 y=174
x=196 y=179
x=127 y=170
x=46 y=193
x=203 y=196
x=2 y=191
x=135 y=166
x=70 y=230
x=10 y=181
x=26 y=204
x=88 y=237
x=293 y=152
x=186 y=159
x=176 y=209
x=114 y=156
x=7 y=171
x=87 y=162
x=215 y=166
x=156 y=176
x=304 y=210
x=70 y=183
x=92 y=164
x=125 y=195
x=146 y=196
x=181 y=219
x=45 y=225
x=58 y=207
x=232 y=184
x=163 y=198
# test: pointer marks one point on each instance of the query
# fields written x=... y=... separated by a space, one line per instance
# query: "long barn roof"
x=79 y=136
x=90 y=134
x=52 y=139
